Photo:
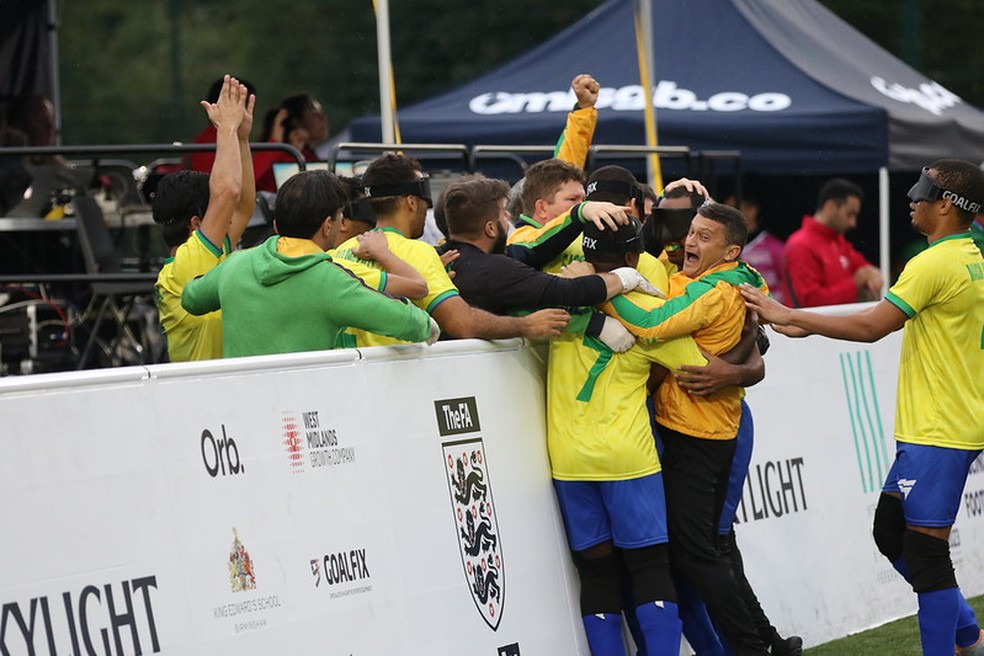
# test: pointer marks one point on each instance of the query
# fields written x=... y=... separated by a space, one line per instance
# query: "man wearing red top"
x=821 y=266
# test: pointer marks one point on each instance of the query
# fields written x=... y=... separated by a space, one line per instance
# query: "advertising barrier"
x=397 y=500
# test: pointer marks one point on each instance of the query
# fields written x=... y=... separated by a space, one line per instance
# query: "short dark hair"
x=470 y=203
x=648 y=192
x=613 y=173
x=838 y=190
x=608 y=249
x=389 y=169
x=696 y=199
x=735 y=226
x=963 y=178
x=543 y=178
x=179 y=197
x=305 y=200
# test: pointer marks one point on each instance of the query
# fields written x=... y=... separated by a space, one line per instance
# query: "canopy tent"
x=786 y=82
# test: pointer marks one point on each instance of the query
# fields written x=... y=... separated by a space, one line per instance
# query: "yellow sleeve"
x=675 y=353
x=575 y=140
x=654 y=272
x=372 y=277
x=424 y=258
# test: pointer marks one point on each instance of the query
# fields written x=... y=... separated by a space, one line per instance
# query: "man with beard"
x=487 y=278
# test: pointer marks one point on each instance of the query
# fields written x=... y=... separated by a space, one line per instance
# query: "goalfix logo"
x=630 y=98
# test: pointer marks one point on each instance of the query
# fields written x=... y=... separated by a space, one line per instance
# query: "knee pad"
x=928 y=561
x=889 y=526
x=601 y=588
x=649 y=571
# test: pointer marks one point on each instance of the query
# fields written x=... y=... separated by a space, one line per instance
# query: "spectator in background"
x=763 y=250
x=34 y=117
x=298 y=120
x=204 y=161
x=820 y=265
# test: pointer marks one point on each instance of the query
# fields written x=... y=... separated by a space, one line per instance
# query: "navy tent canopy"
x=786 y=82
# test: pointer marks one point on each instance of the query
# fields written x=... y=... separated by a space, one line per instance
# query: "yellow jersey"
x=597 y=422
x=189 y=337
x=711 y=309
x=421 y=256
x=941 y=373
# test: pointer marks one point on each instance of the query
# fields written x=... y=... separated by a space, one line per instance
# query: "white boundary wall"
x=327 y=480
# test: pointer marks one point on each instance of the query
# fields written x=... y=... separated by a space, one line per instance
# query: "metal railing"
x=357 y=147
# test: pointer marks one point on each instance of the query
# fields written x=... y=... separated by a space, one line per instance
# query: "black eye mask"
x=927 y=190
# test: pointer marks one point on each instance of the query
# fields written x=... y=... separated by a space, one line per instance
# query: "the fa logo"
x=476 y=526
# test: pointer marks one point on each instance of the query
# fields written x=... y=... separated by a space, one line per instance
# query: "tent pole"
x=385 y=69
x=644 y=50
x=52 y=33
x=883 y=227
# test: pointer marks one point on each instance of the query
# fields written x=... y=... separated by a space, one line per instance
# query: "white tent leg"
x=884 y=257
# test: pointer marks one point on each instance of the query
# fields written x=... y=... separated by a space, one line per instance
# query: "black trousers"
x=695 y=477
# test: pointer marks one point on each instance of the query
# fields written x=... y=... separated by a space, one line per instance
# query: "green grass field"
x=899 y=638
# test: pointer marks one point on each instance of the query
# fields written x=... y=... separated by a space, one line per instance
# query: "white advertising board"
x=397 y=500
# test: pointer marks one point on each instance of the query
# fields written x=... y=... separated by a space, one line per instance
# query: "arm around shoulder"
x=201 y=295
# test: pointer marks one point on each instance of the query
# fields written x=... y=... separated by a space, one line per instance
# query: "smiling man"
x=698 y=432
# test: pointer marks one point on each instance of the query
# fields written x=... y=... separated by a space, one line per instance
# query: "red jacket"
x=819 y=266
x=262 y=161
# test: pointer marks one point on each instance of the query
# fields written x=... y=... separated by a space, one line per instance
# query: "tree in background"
x=134 y=72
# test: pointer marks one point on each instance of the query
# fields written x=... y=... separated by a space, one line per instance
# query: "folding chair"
x=110 y=300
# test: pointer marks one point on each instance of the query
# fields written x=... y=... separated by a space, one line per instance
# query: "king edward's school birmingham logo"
x=474 y=510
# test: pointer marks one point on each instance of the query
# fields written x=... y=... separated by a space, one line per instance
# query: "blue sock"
x=938 y=612
x=968 y=631
x=661 y=626
x=604 y=632
x=697 y=626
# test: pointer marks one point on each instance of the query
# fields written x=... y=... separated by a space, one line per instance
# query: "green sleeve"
x=201 y=295
x=359 y=306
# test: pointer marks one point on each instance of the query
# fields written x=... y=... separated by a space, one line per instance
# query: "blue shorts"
x=931 y=481
x=631 y=513
x=744 y=442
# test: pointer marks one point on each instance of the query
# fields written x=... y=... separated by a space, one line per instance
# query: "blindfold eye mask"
x=617 y=187
x=360 y=210
x=926 y=189
x=420 y=188
x=627 y=239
